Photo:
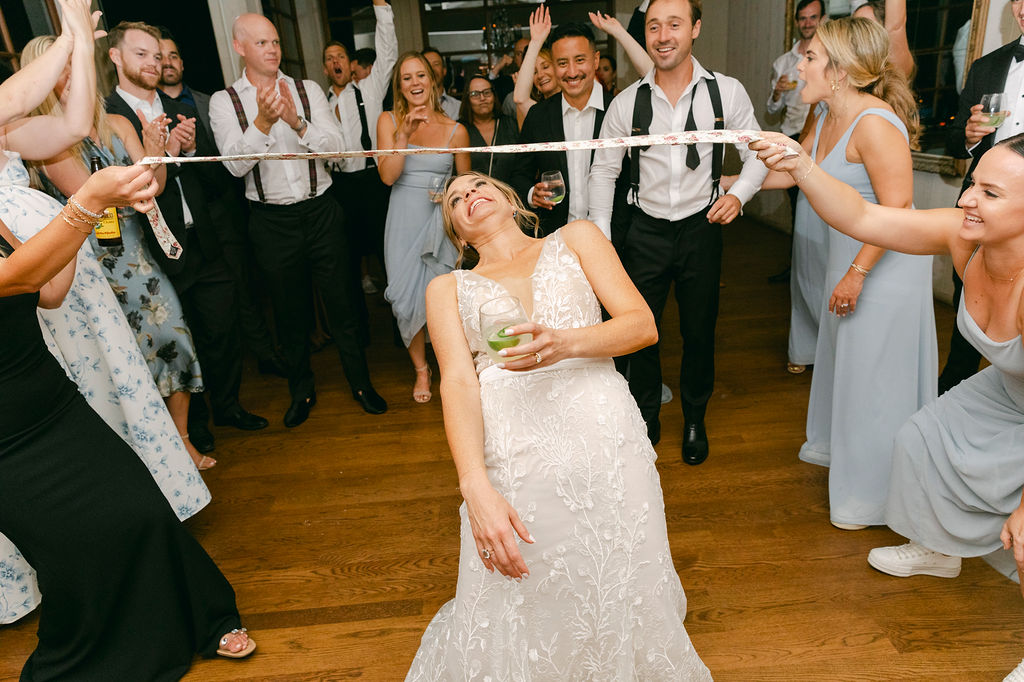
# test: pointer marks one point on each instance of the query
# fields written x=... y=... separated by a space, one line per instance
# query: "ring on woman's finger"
x=485 y=553
x=538 y=358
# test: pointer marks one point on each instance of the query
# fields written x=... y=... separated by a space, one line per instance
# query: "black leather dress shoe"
x=298 y=412
x=201 y=438
x=240 y=419
x=273 y=365
x=654 y=431
x=370 y=400
x=782 y=276
x=695 y=443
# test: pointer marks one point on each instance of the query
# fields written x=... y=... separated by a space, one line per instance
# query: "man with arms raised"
x=294 y=222
x=356 y=182
x=675 y=233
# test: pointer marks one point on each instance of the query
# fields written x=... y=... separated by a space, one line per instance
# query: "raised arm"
x=40 y=137
x=540 y=27
x=493 y=520
x=842 y=207
x=636 y=52
x=630 y=327
x=385 y=42
x=896 y=27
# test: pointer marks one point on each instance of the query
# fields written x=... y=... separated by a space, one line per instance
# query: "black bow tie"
x=1018 y=52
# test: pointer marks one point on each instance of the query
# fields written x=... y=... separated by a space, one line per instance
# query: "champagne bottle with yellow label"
x=108 y=231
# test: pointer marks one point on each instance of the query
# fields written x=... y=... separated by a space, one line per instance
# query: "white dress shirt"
x=450 y=106
x=796 y=110
x=1013 y=100
x=284 y=182
x=373 y=88
x=579 y=125
x=151 y=110
x=668 y=189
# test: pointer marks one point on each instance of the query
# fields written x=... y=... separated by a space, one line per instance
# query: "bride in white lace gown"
x=552 y=444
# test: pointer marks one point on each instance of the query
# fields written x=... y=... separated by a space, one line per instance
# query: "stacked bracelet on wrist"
x=860 y=268
x=82 y=210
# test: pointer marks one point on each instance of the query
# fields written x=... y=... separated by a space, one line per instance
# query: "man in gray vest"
x=674 y=234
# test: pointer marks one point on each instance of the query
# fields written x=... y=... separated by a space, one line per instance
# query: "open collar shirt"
x=668 y=189
x=284 y=182
x=579 y=125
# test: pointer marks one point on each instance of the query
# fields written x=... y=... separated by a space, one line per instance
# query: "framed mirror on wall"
x=945 y=37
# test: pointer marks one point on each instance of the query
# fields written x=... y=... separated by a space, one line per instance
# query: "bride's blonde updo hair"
x=860 y=47
x=524 y=217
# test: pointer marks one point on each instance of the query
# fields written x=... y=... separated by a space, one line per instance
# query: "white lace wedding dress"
x=568 y=449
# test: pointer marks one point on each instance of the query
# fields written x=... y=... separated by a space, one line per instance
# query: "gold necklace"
x=1000 y=279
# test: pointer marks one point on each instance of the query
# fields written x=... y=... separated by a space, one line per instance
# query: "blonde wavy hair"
x=524 y=217
x=401 y=104
x=860 y=47
x=51 y=105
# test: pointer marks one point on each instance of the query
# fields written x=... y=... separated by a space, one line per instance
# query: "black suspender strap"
x=643 y=114
x=717 y=150
x=244 y=123
x=304 y=99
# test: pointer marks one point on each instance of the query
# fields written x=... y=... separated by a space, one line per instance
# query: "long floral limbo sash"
x=173 y=249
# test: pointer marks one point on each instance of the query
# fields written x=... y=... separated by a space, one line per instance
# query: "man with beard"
x=576 y=113
x=356 y=182
x=201 y=277
x=294 y=219
x=675 y=234
x=230 y=217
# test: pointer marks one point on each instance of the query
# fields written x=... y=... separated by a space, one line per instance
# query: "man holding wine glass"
x=991 y=110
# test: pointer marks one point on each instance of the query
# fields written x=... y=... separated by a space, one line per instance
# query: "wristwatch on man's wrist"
x=301 y=125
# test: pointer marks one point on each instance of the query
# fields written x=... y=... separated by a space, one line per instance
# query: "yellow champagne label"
x=109 y=227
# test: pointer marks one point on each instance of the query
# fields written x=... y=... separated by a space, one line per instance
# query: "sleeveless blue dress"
x=874 y=368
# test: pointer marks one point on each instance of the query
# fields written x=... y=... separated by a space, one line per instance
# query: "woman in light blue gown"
x=876 y=356
x=415 y=247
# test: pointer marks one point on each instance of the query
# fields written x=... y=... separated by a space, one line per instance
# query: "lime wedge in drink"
x=500 y=339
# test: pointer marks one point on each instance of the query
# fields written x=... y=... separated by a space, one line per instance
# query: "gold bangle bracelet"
x=71 y=224
x=77 y=214
x=804 y=177
x=860 y=268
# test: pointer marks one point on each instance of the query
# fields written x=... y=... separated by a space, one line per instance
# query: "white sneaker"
x=849 y=526
x=368 y=286
x=1016 y=675
x=666 y=394
x=913 y=559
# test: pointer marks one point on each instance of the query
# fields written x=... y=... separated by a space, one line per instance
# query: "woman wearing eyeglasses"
x=487 y=126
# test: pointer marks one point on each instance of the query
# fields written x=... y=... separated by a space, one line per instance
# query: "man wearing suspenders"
x=295 y=226
x=674 y=233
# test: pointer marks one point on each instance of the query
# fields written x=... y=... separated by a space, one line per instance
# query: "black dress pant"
x=688 y=253
x=209 y=299
x=963 y=359
x=293 y=244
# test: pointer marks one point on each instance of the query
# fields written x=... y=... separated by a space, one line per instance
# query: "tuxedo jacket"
x=987 y=74
x=544 y=124
x=201 y=184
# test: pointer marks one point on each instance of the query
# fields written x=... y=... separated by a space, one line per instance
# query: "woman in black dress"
x=487 y=126
x=127 y=592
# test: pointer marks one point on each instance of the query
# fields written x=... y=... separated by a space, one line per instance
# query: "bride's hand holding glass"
x=546 y=347
x=495 y=524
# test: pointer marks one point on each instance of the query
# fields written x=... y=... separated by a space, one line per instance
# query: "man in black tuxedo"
x=574 y=114
x=201 y=278
x=229 y=214
x=970 y=136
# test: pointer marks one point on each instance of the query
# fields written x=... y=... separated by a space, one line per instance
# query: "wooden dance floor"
x=341 y=536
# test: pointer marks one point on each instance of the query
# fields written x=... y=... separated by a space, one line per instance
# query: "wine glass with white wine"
x=992 y=107
x=555 y=184
x=436 y=189
x=496 y=316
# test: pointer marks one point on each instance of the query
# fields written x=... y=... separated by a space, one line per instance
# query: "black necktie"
x=364 y=136
x=692 y=155
x=1018 y=52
